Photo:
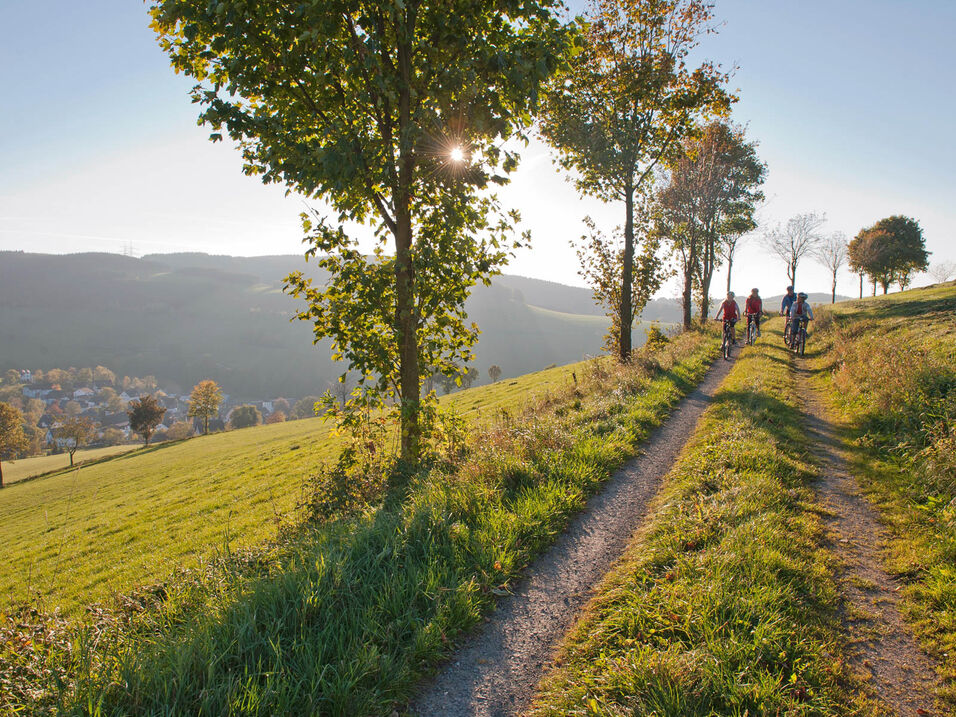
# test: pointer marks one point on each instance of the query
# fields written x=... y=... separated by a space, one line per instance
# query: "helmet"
x=801 y=295
x=755 y=291
x=789 y=289
x=730 y=294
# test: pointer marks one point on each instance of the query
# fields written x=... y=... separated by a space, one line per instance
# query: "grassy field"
x=724 y=603
x=888 y=365
x=24 y=468
x=78 y=536
x=343 y=617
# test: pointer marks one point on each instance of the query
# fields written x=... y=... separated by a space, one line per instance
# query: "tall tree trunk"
x=1 y=474
x=406 y=316
x=730 y=266
x=627 y=278
x=406 y=324
x=861 y=284
x=689 y=285
x=792 y=275
x=706 y=276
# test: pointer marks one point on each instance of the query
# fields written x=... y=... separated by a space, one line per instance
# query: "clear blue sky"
x=852 y=103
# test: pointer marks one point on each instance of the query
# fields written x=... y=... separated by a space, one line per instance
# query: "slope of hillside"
x=887 y=366
x=186 y=317
x=137 y=516
x=335 y=617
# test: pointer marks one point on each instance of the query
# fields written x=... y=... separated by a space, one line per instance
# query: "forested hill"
x=185 y=317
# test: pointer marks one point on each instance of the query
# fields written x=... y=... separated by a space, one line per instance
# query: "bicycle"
x=799 y=342
x=751 y=329
x=728 y=340
x=786 y=331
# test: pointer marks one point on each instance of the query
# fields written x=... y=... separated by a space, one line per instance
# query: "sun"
x=457 y=154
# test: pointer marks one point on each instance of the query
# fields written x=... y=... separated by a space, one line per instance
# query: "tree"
x=394 y=116
x=244 y=417
x=104 y=376
x=12 y=438
x=469 y=376
x=626 y=103
x=73 y=408
x=601 y=260
x=796 y=239
x=281 y=404
x=494 y=372
x=276 y=417
x=145 y=414
x=11 y=377
x=858 y=257
x=832 y=253
x=342 y=387
x=713 y=191
x=306 y=407
x=84 y=377
x=180 y=430
x=75 y=432
x=891 y=250
x=942 y=271
x=113 y=437
x=204 y=402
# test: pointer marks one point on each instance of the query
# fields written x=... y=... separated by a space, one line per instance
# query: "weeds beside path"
x=882 y=649
x=496 y=672
x=725 y=602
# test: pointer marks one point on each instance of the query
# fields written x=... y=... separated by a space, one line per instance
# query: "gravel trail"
x=497 y=669
x=901 y=675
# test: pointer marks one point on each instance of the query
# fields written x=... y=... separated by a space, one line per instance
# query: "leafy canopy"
x=629 y=97
x=394 y=113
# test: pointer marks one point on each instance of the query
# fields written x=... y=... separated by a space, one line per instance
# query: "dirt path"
x=496 y=672
x=901 y=675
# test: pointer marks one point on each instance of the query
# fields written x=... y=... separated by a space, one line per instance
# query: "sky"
x=851 y=103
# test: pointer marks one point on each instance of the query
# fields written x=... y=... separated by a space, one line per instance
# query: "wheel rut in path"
x=881 y=647
x=496 y=671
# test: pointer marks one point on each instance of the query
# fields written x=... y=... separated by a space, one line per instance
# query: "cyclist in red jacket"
x=754 y=307
x=729 y=311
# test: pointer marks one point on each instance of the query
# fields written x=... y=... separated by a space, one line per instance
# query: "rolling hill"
x=186 y=317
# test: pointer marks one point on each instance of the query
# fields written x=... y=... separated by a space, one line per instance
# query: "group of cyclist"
x=794 y=306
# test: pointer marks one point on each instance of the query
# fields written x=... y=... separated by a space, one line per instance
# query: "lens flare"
x=457 y=154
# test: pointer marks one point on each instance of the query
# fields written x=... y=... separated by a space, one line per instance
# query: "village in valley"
x=49 y=399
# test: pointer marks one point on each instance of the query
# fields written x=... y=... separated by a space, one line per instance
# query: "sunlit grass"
x=80 y=535
x=888 y=366
x=342 y=618
x=725 y=603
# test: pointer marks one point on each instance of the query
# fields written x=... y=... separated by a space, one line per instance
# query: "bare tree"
x=943 y=271
x=832 y=253
x=342 y=387
x=795 y=240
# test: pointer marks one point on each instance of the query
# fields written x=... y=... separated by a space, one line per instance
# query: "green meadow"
x=80 y=535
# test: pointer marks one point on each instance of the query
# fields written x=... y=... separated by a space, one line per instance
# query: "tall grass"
x=724 y=603
x=889 y=367
x=341 y=617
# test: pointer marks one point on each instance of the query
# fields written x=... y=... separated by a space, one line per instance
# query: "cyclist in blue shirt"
x=788 y=300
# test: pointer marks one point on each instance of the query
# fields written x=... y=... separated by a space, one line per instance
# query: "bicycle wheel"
x=803 y=341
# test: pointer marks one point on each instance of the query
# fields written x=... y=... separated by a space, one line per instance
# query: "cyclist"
x=785 y=305
x=800 y=313
x=753 y=308
x=729 y=312
x=787 y=302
